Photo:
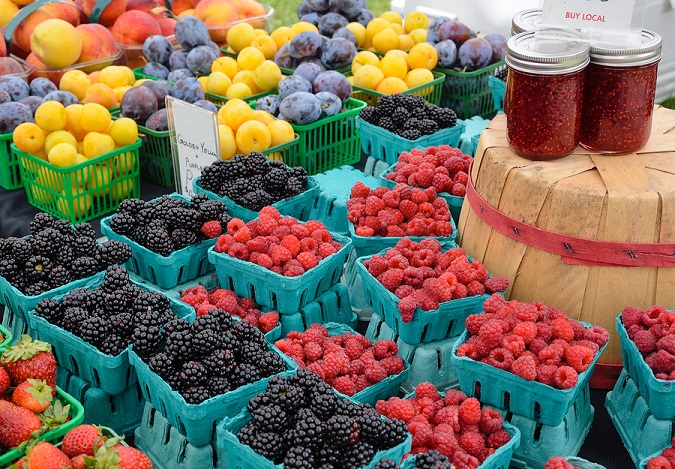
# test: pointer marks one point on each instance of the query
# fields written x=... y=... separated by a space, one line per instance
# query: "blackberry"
x=229 y=341
x=323 y=405
x=131 y=206
x=204 y=342
x=275 y=164
x=419 y=113
x=235 y=169
x=20 y=281
x=51 y=310
x=382 y=433
x=115 y=252
x=47 y=242
x=78 y=297
x=410 y=134
x=73 y=318
x=86 y=247
x=157 y=224
x=225 y=219
x=37 y=267
x=386 y=463
x=293 y=187
x=139 y=234
x=427 y=127
x=196 y=394
x=145 y=339
x=115 y=278
x=245 y=331
x=360 y=454
x=369 y=114
x=182 y=238
x=94 y=330
x=116 y=302
x=65 y=256
x=94 y=300
x=63 y=227
x=184 y=218
x=341 y=431
x=275 y=179
x=445 y=118
x=212 y=210
x=270 y=418
x=193 y=374
x=247 y=433
x=205 y=322
x=501 y=74
x=176 y=325
x=244 y=374
x=146 y=215
x=225 y=321
x=113 y=345
x=330 y=455
x=84 y=267
x=148 y=319
x=432 y=459
x=179 y=344
x=122 y=323
x=36 y=287
x=259 y=400
x=40 y=221
x=400 y=115
x=412 y=101
x=212 y=178
x=299 y=173
x=387 y=105
x=219 y=385
x=256 y=164
x=160 y=242
x=308 y=430
x=8 y=268
x=21 y=249
x=387 y=123
x=268 y=445
x=59 y=275
x=162 y=363
x=249 y=352
x=85 y=229
x=305 y=379
x=271 y=364
x=298 y=457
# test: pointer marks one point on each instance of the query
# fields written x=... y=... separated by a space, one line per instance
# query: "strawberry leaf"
x=25 y=350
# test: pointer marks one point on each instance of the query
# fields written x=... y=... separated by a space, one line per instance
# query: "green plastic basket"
x=76 y=417
x=431 y=92
x=109 y=178
x=7 y=340
x=468 y=93
x=328 y=143
x=498 y=88
x=286 y=71
x=10 y=174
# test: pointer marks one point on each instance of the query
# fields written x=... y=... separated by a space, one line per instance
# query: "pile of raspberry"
x=653 y=332
x=280 y=244
x=420 y=274
x=348 y=362
x=203 y=301
x=401 y=211
x=558 y=462
x=454 y=424
x=664 y=461
x=444 y=168
x=533 y=341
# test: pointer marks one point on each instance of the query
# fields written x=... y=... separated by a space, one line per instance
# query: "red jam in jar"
x=544 y=91
x=619 y=96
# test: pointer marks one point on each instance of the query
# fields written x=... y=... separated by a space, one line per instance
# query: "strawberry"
x=5 y=381
x=82 y=440
x=16 y=424
x=47 y=456
x=28 y=359
x=131 y=458
x=33 y=394
x=78 y=462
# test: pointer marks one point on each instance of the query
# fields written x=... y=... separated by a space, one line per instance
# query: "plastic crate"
x=468 y=93
x=641 y=433
x=121 y=412
x=334 y=190
x=428 y=362
x=296 y=207
x=7 y=339
x=659 y=394
x=14 y=323
x=55 y=190
x=454 y=201
x=167 y=448
x=197 y=421
x=283 y=294
x=233 y=454
x=540 y=442
x=499 y=460
x=584 y=464
x=111 y=374
x=10 y=173
x=328 y=143
x=498 y=388
x=498 y=88
x=431 y=92
x=333 y=305
x=76 y=417
x=426 y=326
x=387 y=146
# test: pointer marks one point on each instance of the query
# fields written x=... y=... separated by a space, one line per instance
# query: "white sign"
x=195 y=143
x=588 y=14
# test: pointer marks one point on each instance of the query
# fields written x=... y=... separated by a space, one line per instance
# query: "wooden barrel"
x=555 y=229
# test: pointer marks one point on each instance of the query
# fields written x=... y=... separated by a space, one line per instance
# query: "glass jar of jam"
x=544 y=91
x=619 y=96
x=526 y=20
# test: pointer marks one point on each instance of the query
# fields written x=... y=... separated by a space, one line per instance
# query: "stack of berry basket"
x=533 y=364
x=642 y=404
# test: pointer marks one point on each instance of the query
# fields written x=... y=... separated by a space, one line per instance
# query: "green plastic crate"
x=10 y=174
x=328 y=143
x=56 y=190
x=468 y=93
x=7 y=340
x=431 y=92
x=76 y=417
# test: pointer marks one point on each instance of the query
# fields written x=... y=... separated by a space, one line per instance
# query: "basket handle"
x=30 y=8
x=97 y=11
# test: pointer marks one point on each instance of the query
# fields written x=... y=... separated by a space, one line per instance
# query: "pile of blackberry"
x=301 y=422
x=213 y=355
x=432 y=459
x=408 y=116
x=56 y=253
x=253 y=181
x=501 y=73
x=111 y=316
x=165 y=225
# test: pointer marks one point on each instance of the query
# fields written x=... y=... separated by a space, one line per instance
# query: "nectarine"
x=134 y=27
x=97 y=43
x=114 y=9
x=56 y=43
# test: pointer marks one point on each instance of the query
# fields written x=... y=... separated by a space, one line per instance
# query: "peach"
x=22 y=33
x=9 y=65
x=134 y=27
x=68 y=13
x=249 y=9
x=56 y=43
x=114 y=9
x=179 y=6
x=216 y=14
x=143 y=5
x=167 y=25
x=97 y=43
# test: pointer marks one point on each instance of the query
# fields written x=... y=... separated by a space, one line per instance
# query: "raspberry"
x=664 y=362
x=493 y=303
x=558 y=462
x=498 y=439
x=345 y=385
x=463 y=460
x=631 y=315
x=356 y=367
x=659 y=462
x=426 y=302
x=234 y=225
x=438 y=290
x=561 y=329
x=353 y=349
x=475 y=288
x=242 y=235
x=239 y=251
x=667 y=343
x=448 y=416
x=445 y=443
x=316 y=333
x=293 y=268
x=491 y=332
x=404 y=290
x=473 y=443
x=496 y=284
x=393 y=365
x=669 y=454
x=268 y=321
x=325 y=250
x=525 y=367
x=579 y=357
x=375 y=372
x=407 y=307
x=377 y=265
x=288 y=222
x=427 y=389
x=322 y=236
x=421 y=433
x=408 y=208
x=374 y=205
x=597 y=334
x=454 y=397
x=454 y=164
x=398 y=261
x=291 y=243
x=546 y=374
x=402 y=409
x=223 y=243
x=500 y=358
x=308 y=260
x=474 y=322
x=566 y=377
x=468 y=350
x=391 y=279
x=513 y=343
x=384 y=349
x=469 y=411
x=490 y=421
x=211 y=229
x=313 y=351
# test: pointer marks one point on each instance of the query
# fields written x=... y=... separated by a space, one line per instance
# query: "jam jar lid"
x=647 y=52
x=525 y=20
x=554 y=53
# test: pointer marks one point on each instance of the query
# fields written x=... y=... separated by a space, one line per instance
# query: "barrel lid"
x=647 y=52
x=525 y=20
x=553 y=53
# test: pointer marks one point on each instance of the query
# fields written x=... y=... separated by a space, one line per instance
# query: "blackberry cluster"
x=501 y=73
x=111 y=316
x=432 y=459
x=253 y=181
x=408 y=116
x=165 y=225
x=302 y=423
x=56 y=253
x=211 y=356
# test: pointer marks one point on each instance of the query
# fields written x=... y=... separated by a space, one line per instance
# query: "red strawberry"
x=82 y=440
x=33 y=394
x=5 y=381
x=47 y=456
x=16 y=424
x=28 y=359
x=78 y=462
x=131 y=458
